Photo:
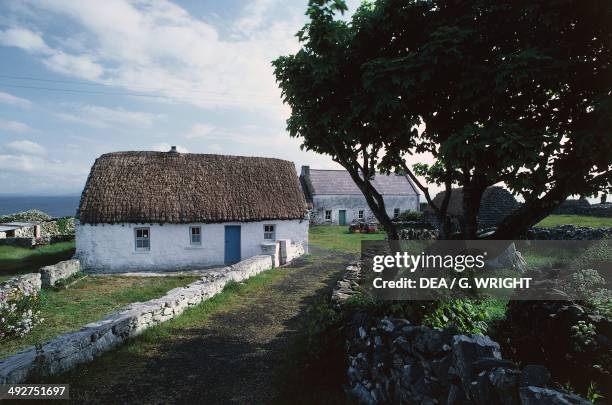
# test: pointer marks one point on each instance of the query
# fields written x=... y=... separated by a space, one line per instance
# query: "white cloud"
x=165 y=147
x=83 y=66
x=7 y=98
x=101 y=117
x=78 y=65
x=26 y=147
x=199 y=130
x=23 y=38
x=14 y=126
x=158 y=46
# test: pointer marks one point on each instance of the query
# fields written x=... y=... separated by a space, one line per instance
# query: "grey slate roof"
x=339 y=182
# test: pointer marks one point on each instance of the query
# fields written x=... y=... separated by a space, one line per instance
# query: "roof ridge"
x=156 y=152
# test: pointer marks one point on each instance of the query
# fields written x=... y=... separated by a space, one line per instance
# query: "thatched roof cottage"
x=169 y=210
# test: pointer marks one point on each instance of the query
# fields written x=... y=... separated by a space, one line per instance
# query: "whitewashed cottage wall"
x=352 y=204
x=111 y=248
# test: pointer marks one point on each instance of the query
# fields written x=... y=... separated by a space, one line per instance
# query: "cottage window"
x=360 y=215
x=195 y=233
x=143 y=241
x=396 y=212
x=328 y=215
x=269 y=232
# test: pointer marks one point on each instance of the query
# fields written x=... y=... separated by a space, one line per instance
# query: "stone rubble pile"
x=82 y=346
x=394 y=362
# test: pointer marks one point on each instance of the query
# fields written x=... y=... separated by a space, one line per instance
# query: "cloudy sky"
x=82 y=78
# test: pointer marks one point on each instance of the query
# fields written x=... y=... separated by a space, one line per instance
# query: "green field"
x=338 y=238
x=15 y=260
x=578 y=220
x=89 y=300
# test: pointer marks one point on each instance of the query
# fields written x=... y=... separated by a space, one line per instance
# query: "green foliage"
x=409 y=216
x=583 y=335
x=469 y=316
x=530 y=105
x=593 y=394
x=26 y=216
x=322 y=329
x=65 y=226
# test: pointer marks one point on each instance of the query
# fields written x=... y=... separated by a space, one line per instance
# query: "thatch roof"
x=160 y=187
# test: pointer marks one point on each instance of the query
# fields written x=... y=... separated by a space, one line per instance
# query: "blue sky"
x=74 y=76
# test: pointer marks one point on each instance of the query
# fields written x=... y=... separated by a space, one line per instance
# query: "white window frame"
x=269 y=234
x=191 y=235
x=142 y=239
x=361 y=215
x=327 y=217
x=396 y=213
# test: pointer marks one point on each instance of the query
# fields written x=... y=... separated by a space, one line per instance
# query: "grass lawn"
x=578 y=220
x=16 y=260
x=89 y=300
x=335 y=237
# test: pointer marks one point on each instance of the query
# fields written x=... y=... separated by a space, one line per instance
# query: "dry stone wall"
x=51 y=275
x=82 y=346
x=391 y=361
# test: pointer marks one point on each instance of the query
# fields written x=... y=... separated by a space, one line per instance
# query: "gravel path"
x=231 y=357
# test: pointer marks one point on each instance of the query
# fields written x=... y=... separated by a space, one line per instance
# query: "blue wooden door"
x=232 y=244
x=342 y=217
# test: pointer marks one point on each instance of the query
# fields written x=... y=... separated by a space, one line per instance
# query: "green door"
x=342 y=217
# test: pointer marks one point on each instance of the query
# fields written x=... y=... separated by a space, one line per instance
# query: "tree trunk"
x=375 y=201
x=516 y=224
x=472 y=196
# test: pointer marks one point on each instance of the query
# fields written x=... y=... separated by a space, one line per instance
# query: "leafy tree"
x=518 y=92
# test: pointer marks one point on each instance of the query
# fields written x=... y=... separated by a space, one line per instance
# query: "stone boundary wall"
x=568 y=232
x=348 y=285
x=82 y=346
x=51 y=275
x=391 y=361
x=583 y=207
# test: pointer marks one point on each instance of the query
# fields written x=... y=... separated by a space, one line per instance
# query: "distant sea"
x=56 y=206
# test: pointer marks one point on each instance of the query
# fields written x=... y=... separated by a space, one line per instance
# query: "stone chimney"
x=173 y=150
x=305 y=170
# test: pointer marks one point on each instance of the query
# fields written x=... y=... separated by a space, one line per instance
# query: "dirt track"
x=234 y=356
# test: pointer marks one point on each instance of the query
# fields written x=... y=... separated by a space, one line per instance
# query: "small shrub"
x=409 y=216
x=65 y=226
x=467 y=315
x=322 y=331
x=19 y=313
